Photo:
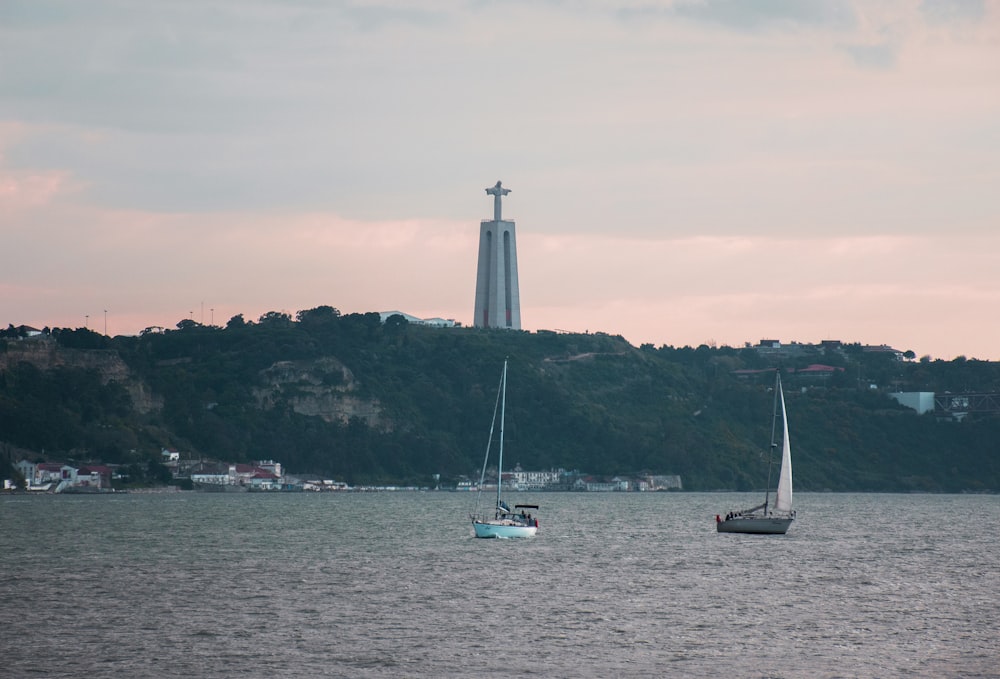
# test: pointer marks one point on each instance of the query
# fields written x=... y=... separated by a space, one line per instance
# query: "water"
x=393 y=585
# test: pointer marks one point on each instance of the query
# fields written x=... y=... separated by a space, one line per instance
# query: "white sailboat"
x=764 y=519
x=502 y=522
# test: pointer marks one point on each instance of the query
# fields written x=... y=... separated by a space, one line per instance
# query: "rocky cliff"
x=323 y=388
x=45 y=354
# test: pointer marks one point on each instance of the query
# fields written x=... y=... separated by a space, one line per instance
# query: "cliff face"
x=322 y=388
x=46 y=354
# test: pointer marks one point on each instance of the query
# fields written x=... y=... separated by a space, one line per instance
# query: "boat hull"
x=489 y=529
x=756 y=526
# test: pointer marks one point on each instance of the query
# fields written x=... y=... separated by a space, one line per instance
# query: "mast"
x=774 y=426
x=489 y=440
x=503 y=407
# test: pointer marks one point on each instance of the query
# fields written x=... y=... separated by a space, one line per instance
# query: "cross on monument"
x=497 y=191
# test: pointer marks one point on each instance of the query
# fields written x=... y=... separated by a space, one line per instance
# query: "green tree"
x=275 y=319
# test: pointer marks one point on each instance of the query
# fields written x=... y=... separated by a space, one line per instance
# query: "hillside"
x=351 y=398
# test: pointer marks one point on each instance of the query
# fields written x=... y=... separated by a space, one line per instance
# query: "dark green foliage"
x=585 y=402
x=81 y=338
x=64 y=409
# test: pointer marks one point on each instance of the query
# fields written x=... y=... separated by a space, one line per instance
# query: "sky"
x=682 y=172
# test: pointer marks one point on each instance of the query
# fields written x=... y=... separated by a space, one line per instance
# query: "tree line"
x=588 y=402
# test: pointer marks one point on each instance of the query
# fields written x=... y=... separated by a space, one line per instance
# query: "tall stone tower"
x=498 y=302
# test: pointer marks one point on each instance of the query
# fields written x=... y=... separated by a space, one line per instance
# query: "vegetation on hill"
x=352 y=398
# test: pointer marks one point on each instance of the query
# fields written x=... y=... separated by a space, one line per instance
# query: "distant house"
x=665 y=482
x=533 y=480
x=592 y=485
x=271 y=466
x=264 y=480
x=265 y=475
x=45 y=475
x=29 y=471
x=209 y=479
x=20 y=332
x=818 y=369
x=818 y=372
x=883 y=349
x=436 y=322
x=41 y=473
x=92 y=476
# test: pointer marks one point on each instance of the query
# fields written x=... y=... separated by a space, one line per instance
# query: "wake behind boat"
x=502 y=522
x=762 y=519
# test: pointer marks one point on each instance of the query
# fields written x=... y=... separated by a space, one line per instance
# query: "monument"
x=498 y=302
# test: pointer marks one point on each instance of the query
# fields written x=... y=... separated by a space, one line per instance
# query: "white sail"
x=760 y=519
x=783 y=501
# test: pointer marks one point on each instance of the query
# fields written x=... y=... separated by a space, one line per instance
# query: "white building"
x=536 y=480
x=665 y=482
x=921 y=401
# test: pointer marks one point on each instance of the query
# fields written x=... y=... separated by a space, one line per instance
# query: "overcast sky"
x=682 y=172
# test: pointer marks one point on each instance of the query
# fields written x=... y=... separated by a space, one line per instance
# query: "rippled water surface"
x=394 y=584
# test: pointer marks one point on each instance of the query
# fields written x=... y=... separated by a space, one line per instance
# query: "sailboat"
x=764 y=519
x=502 y=522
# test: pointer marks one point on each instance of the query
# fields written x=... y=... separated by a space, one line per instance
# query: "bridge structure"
x=961 y=404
